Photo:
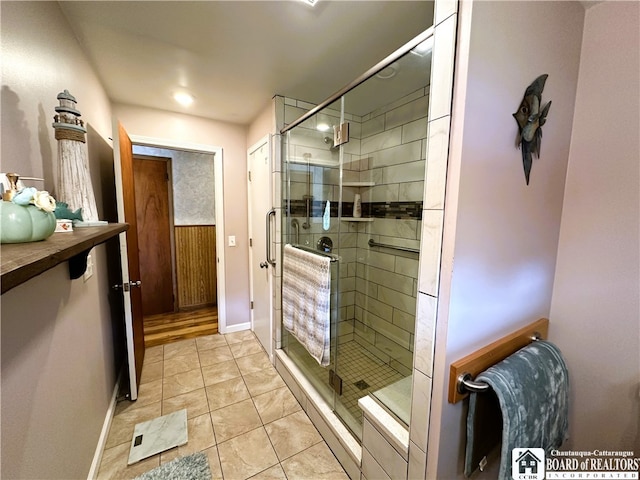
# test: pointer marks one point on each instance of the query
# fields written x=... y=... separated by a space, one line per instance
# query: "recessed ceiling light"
x=183 y=98
x=323 y=127
x=389 y=71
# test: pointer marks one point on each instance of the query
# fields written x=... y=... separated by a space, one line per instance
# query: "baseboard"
x=97 y=456
x=236 y=328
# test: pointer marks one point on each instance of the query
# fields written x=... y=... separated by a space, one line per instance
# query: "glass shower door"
x=372 y=175
x=311 y=198
x=383 y=171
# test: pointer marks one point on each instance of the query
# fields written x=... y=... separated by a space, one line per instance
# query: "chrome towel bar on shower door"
x=332 y=256
x=373 y=243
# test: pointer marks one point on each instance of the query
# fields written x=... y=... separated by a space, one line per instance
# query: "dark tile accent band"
x=397 y=210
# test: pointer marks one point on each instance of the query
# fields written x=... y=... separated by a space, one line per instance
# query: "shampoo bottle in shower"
x=326 y=218
x=357 y=206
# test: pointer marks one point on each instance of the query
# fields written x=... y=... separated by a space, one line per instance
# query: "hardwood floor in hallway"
x=170 y=327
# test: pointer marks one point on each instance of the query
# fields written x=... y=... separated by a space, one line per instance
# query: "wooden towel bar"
x=479 y=361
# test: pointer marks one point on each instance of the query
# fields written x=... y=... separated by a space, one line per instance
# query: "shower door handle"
x=270 y=213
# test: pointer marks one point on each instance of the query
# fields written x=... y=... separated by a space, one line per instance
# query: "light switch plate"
x=232 y=240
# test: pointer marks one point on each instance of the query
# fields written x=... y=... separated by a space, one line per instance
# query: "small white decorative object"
x=74 y=181
x=64 y=226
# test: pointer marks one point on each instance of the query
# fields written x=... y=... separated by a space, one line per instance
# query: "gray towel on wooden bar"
x=532 y=390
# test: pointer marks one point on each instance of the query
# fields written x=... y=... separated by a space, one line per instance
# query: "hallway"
x=239 y=410
x=171 y=327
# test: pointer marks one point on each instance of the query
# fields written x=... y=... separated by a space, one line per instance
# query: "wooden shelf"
x=23 y=261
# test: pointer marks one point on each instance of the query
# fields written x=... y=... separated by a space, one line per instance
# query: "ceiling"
x=234 y=56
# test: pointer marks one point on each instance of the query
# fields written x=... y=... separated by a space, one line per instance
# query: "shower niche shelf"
x=358 y=184
x=357 y=219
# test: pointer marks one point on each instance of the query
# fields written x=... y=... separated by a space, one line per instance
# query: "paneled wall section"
x=196 y=265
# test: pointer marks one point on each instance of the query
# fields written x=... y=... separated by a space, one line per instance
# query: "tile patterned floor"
x=239 y=412
x=361 y=373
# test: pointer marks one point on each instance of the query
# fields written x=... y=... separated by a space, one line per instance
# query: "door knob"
x=135 y=284
x=264 y=265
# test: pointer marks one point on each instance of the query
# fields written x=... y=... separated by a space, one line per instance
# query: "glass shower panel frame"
x=312 y=173
x=374 y=286
x=384 y=170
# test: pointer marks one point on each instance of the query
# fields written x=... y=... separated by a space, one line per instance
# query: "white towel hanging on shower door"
x=306 y=288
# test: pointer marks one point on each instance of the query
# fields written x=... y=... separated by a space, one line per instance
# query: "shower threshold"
x=340 y=439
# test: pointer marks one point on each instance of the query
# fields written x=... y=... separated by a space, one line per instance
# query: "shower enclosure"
x=360 y=158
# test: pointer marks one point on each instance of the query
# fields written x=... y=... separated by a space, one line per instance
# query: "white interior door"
x=259 y=191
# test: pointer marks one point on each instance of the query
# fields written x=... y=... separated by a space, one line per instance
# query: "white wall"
x=232 y=139
x=263 y=124
x=501 y=236
x=594 y=312
x=58 y=370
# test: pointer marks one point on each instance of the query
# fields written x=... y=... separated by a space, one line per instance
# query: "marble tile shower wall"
x=387 y=147
x=393 y=146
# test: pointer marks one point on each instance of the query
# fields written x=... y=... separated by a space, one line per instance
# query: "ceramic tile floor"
x=355 y=365
x=239 y=412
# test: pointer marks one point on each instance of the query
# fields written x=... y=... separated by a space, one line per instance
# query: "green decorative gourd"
x=21 y=224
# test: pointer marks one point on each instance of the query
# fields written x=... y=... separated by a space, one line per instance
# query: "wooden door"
x=131 y=288
x=154 y=234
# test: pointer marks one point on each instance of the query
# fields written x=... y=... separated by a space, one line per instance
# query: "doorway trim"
x=218 y=172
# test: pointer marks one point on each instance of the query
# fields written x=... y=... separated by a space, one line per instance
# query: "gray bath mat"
x=191 y=467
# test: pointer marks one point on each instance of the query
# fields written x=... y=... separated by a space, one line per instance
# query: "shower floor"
x=361 y=373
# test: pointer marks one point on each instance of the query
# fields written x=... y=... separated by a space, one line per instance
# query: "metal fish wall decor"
x=531 y=117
